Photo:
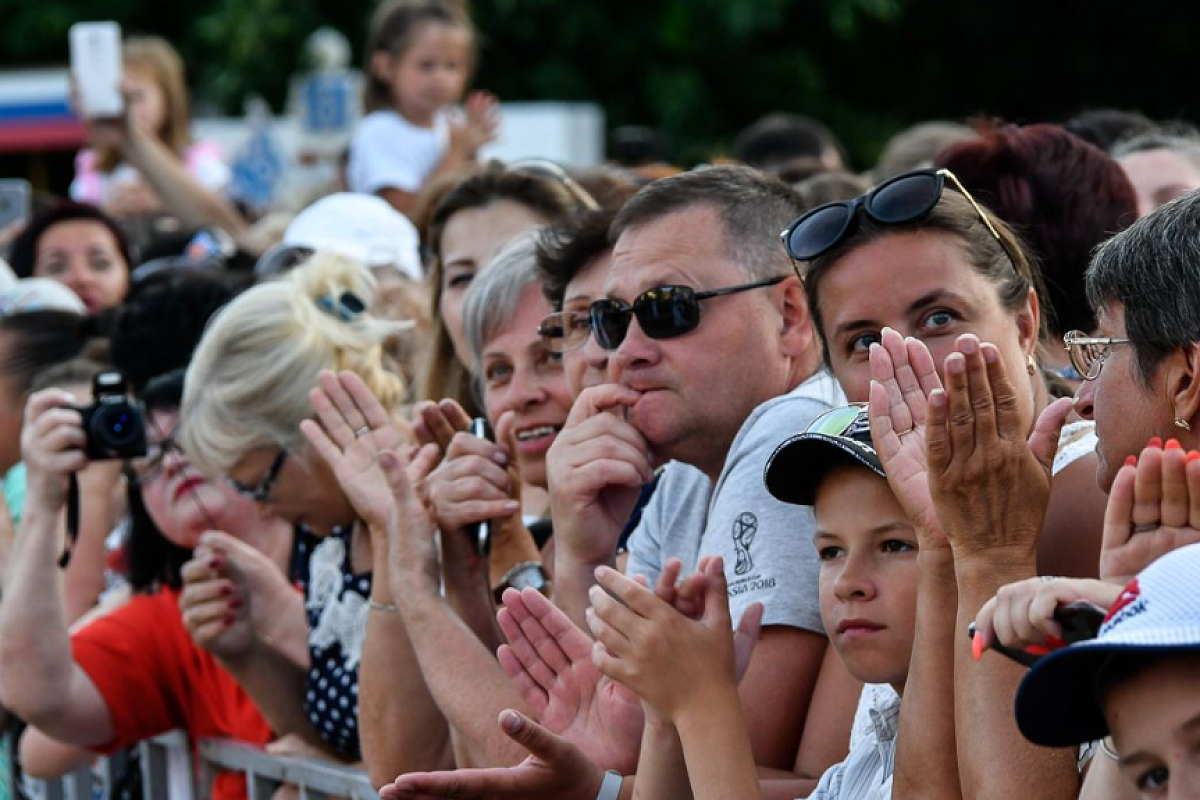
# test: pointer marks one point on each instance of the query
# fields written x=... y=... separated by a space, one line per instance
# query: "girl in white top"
x=419 y=57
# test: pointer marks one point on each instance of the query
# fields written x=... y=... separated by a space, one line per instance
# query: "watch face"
x=531 y=575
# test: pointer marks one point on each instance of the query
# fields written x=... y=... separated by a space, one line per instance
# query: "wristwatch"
x=522 y=575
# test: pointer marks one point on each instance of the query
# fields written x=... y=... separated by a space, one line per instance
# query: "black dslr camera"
x=114 y=424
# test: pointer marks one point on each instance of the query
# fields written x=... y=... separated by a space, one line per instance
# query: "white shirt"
x=389 y=152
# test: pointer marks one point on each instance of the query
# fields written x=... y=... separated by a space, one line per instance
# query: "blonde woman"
x=255 y=377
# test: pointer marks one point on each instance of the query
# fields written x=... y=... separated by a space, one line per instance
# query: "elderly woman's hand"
x=989 y=483
x=472 y=484
x=902 y=378
x=351 y=430
x=1153 y=508
x=52 y=441
x=437 y=423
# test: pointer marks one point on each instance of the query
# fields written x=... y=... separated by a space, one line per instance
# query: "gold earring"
x=1180 y=422
x=1030 y=364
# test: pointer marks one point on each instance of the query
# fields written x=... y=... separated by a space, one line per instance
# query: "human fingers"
x=1147 y=488
x=436 y=424
x=612 y=616
x=1006 y=412
x=1192 y=474
x=1047 y=429
x=908 y=384
x=667 y=580
x=1174 y=507
x=984 y=630
x=716 y=596
x=922 y=364
x=347 y=410
x=544 y=644
x=573 y=642
x=467 y=445
x=421 y=462
x=745 y=638
x=884 y=425
x=363 y=399
x=980 y=392
x=629 y=592
x=608 y=637
x=337 y=429
x=525 y=656
x=960 y=419
x=939 y=451
x=535 y=695
x=213 y=590
x=600 y=399
x=454 y=414
x=1118 y=514
x=320 y=441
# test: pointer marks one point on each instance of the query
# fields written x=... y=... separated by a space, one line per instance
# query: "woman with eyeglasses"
x=134 y=672
x=254 y=378
x=918 y=255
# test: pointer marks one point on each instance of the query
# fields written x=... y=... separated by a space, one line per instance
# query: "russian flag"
x=35 y=112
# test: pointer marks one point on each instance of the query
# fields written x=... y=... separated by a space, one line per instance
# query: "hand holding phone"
x=96 y=68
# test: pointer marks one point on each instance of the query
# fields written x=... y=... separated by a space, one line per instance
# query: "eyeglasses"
x=905 y=198
x=262 y=492
x=662 y=313
x=1088 y=353
x=148 y=467
x=564 y=330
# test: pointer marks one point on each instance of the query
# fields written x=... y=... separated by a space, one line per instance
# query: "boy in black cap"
x=682 y=668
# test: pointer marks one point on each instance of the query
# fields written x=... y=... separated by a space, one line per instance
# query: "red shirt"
x=155 y=679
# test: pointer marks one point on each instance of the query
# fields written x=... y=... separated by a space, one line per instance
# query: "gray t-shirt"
x=767 y=545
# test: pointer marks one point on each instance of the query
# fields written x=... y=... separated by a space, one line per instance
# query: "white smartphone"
x=96 y=68
x=16 y=197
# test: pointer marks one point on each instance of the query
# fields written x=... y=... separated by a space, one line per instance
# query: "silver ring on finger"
x=363 y=431
x=1143 y=527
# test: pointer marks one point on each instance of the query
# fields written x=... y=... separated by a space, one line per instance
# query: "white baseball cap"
x=1158 y=613
x=39 y=294
x=359 y=226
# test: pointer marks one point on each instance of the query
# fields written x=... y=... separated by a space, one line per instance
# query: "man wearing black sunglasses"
x=712 y=360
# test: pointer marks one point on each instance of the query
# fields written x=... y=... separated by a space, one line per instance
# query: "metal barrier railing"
x=170 y=773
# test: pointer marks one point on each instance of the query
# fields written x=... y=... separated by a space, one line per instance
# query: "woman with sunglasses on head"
x=135 y=672
x=247 y=392
x=919 y=256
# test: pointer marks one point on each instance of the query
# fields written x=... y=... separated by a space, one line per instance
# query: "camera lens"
x=115 y=425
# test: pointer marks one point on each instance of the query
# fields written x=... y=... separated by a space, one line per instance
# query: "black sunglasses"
x=905 y=198
x=262 y=492
x=662 y=313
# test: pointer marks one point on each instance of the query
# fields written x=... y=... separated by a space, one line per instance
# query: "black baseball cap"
x=797 y=466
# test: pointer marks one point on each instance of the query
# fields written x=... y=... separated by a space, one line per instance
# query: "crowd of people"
x=766 y=478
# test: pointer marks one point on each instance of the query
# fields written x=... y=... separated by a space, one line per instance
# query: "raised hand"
x=479 y=124
x=1153 y=508
x=554 y=770
x=989 y=483
x=549 y=660
x=410 y=529
x=663 y=656
x=472 y=484
x=902 y=378
x=436 y=423
x=351 y=430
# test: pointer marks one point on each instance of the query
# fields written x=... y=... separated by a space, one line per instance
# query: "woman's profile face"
x=469 y=240
x=302 y=490
x=1127 y=412
x=182 y=502
x=921 y=284
x=520 y=375
x=84 y=256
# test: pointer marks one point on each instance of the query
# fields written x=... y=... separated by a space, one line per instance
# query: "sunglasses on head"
x=662 y=313
x=905 y=198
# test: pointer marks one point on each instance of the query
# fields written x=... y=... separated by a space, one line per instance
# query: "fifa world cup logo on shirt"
x=745 y=526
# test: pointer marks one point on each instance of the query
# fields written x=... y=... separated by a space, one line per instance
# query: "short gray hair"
x=753 y=207
x=494 y=297
x=1152 y=268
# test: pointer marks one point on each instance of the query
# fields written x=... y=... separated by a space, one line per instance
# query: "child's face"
x=147 y=104
x=868 y=583
x=1154 y=717
x=431 y=73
